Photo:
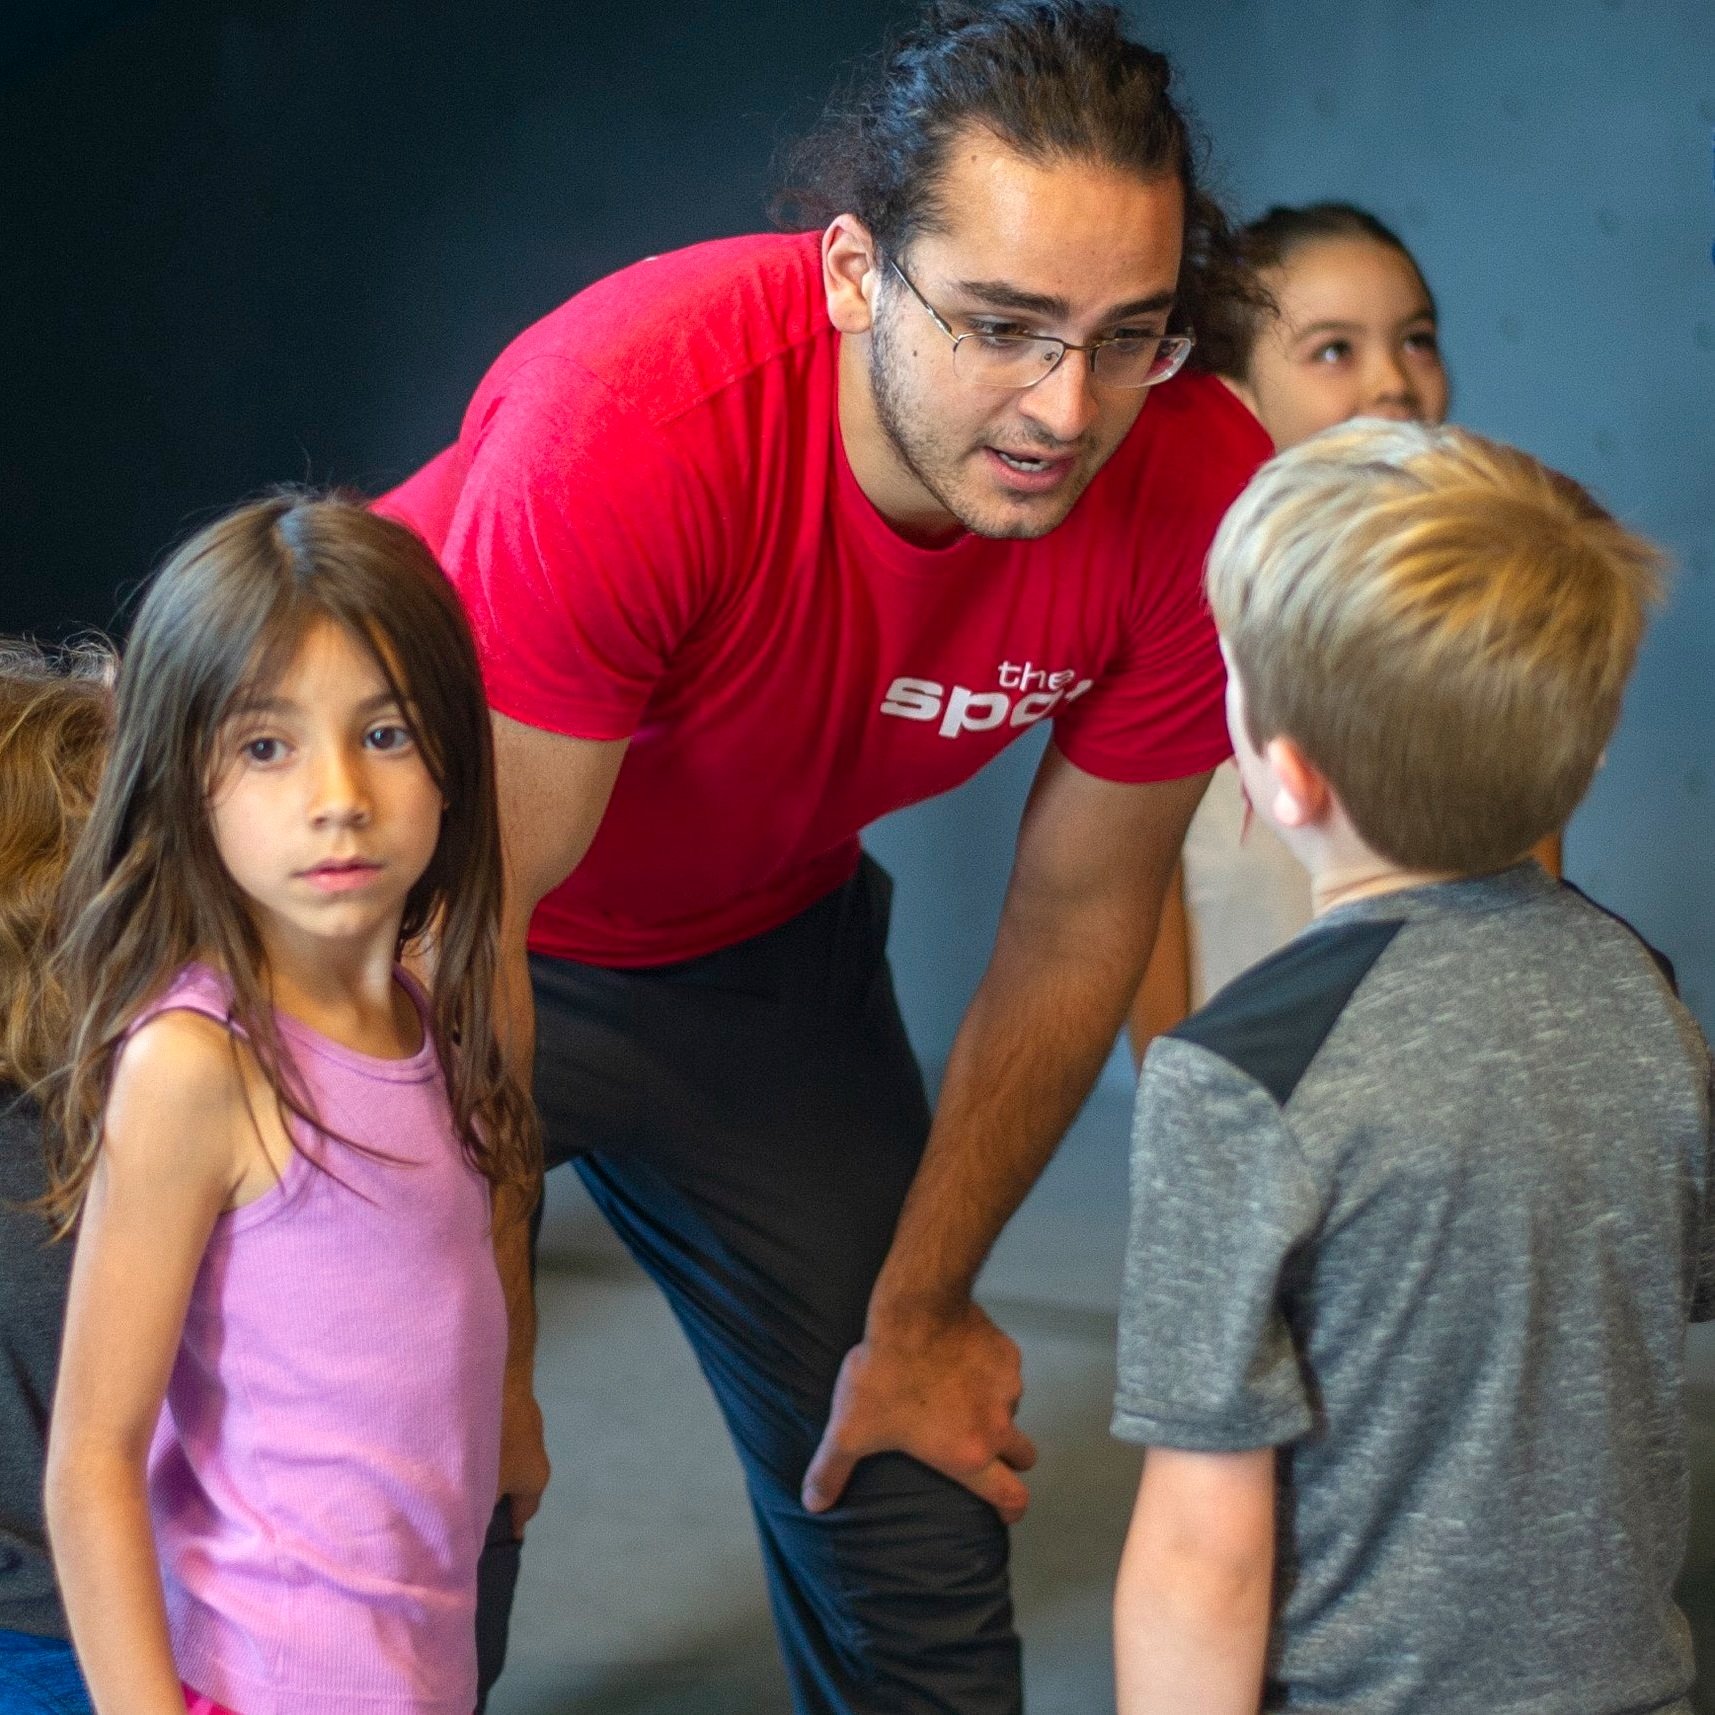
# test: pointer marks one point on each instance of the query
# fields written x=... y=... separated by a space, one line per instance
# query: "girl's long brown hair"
x=147 y=892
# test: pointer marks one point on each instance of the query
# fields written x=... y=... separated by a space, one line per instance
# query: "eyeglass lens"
x=1016 y=360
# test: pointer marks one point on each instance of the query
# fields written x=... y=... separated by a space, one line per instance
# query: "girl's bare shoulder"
x=187 y=1095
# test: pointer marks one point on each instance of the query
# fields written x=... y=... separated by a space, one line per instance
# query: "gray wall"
x=1550 y=163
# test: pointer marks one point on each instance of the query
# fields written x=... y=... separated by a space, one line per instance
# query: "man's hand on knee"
x=944 y=1392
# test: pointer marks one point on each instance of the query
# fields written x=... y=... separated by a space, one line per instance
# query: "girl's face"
x=322 y=807
x=1355 y=337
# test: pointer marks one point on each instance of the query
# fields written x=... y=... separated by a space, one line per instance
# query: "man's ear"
x=1302 y=796
x=850 y=271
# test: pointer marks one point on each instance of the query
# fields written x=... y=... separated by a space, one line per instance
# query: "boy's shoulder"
x=1271 y=1022
x=1472 y=953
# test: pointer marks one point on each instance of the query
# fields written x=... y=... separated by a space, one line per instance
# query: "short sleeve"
x=1221 y=1203
x=583 y=543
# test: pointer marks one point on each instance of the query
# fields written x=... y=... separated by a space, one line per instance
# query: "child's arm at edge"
x=177 y=1132
x=1193 y=1601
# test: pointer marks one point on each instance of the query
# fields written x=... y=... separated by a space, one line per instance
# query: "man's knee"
x=898 y=1597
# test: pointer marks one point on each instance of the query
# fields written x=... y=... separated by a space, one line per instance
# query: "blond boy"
x=1420 y=1204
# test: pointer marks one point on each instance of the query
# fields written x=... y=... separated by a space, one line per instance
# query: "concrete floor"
x=641 y=1592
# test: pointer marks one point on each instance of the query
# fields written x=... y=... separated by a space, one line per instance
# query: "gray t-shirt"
x=1422 y=1200
x=33 y=1278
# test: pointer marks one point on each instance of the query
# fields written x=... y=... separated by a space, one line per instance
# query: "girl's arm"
x=1191 y=1612
x=176 y=1146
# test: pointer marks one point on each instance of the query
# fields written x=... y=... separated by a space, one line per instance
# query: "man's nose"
x=1064 y=401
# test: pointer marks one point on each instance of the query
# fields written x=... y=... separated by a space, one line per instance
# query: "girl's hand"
x=524 y=1466
x=177 y=1145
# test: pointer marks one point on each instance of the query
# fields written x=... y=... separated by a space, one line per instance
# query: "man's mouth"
x=1028 y=473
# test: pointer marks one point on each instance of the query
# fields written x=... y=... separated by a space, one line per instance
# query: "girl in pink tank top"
x=275 y=1441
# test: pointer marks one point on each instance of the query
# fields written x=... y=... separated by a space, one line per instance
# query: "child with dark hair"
x=54 y=716
x=279 y=1147
x=1421 y=1205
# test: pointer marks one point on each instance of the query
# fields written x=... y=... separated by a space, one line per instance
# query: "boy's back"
x=1421 y=1201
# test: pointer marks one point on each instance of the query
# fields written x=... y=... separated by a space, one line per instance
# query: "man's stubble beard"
x=921 y=452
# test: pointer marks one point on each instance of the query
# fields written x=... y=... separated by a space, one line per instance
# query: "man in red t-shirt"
x=762 y=540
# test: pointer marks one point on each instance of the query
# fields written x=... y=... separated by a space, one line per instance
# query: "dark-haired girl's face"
x=1071 y=249
x=1355 y=337
x=323 y=810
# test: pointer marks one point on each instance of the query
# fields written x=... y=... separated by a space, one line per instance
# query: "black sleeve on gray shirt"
x=1221 y=1201
x=1703 y=1282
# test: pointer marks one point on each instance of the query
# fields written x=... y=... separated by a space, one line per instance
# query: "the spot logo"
x=1027 y=694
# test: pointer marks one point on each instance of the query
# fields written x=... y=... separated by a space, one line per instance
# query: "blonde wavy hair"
x=1442 y=623
x=56 y=712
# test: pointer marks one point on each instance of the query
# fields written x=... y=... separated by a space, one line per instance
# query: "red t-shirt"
x=653 y=525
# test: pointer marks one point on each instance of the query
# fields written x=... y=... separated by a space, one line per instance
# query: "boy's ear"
x=1302 y=796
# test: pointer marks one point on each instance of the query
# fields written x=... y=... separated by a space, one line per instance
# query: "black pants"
x=749 y=1122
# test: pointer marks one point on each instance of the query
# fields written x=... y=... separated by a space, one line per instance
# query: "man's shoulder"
x=669 y=331
x=1193 y=442
x=1270 y=1023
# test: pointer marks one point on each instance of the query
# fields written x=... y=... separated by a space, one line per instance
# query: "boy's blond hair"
x=1444 y=625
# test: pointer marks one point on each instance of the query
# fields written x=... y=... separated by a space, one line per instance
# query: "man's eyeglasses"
x=1023 y=359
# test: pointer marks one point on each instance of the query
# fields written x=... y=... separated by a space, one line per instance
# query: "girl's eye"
x=1334 y=351
x=263 y=750
x=1426 y=344
x=388 y=737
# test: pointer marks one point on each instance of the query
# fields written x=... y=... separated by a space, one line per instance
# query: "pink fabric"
x=652 y=522
x=328 y=1457
x=197 y=1704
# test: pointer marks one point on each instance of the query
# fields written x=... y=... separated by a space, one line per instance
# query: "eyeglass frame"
x=1183 y=341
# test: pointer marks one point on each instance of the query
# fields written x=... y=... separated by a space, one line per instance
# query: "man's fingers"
x=1018 y=1450
x=826 y=1479
x=1001 y=1488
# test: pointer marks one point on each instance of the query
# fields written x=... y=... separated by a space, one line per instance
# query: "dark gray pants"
x=749 y=1122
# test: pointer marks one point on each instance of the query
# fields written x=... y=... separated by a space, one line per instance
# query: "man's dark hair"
x=1228 y=334
x=1052 y=80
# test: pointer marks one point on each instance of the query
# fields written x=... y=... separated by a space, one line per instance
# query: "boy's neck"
x=1343 y=867
x=1341 y=885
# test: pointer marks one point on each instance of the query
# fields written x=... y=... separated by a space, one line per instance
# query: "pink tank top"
x=329 y=1451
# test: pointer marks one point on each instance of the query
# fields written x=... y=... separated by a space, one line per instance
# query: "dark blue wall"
x=271 y=240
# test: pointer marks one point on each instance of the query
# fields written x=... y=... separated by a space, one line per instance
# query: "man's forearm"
x=1031 y=1046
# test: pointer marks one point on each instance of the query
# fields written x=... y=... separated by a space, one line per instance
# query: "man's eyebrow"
x=999 y=295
